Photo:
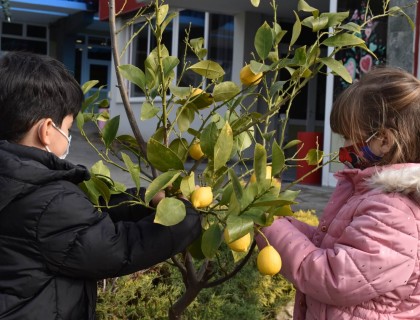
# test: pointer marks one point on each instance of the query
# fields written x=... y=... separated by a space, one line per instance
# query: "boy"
x=54 y=245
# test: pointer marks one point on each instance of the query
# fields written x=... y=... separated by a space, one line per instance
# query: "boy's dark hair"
x=34 y=87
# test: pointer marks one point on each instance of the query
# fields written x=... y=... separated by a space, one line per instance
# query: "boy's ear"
x=387 y=139
x=45 y=130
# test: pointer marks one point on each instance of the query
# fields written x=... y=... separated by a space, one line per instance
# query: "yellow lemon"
x=196 y=92
x=269 y=261
x=202 y=197
x=239 y=245
x=195 y=151
x=248 y=78
x=268 y=171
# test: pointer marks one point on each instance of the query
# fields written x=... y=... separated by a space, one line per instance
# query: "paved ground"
x=310 y=197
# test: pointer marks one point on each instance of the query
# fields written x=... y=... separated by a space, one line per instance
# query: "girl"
x=362 y=261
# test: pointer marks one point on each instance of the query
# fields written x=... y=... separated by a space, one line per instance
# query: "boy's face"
x=60 y=136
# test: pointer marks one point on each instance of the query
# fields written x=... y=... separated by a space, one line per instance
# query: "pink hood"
x=362 y=261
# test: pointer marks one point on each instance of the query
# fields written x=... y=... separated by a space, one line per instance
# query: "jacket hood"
x=24 y=169
x=403 y=179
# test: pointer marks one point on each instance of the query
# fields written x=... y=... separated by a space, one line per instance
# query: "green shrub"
x=148 y=295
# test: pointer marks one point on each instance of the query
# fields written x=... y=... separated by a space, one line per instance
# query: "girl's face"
x=361 y=154
x=373 y=142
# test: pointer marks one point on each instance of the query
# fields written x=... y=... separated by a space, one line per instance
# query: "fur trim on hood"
x=405 y=180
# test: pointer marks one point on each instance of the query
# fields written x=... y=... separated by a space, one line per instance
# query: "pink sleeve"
x=371 y=257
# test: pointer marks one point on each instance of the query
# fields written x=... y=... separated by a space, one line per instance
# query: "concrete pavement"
x=310 y=197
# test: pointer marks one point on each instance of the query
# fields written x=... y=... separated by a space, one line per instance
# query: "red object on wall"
x=309 y=140
x=130 y=6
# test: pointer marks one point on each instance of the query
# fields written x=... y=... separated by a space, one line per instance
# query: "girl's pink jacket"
x=362 y=261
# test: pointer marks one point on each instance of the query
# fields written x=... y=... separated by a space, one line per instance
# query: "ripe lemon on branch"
x=202 y=197
x=195 y=151
x=248 y=77
x=269 y=261
x=239 y=245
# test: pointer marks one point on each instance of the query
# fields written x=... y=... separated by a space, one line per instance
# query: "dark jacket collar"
x=24 y=169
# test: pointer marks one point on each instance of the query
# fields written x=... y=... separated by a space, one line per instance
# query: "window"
x=18 y=36
x=219 y=43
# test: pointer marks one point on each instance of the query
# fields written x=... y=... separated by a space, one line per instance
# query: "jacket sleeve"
x=375 y=254
x=126 y=212
x=78 y=241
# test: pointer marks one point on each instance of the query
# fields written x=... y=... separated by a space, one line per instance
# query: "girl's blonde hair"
x=384 y=98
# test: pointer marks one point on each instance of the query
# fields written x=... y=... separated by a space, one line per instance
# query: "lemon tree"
x=237 y=194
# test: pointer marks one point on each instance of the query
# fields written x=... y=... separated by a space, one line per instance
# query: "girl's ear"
x=45 y=130
x=387 y=141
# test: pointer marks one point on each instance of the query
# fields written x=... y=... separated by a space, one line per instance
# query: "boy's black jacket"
x=54 y=245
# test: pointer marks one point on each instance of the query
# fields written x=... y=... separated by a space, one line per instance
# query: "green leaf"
x=197 y=43
x=184 y=118
x=342 y=40
x=300 y=56
x=161 y=157
x=89 y=85
x=134 y=75
x=80 y=120
x=263 y=40
x=225 y=91
x=88 y=187
x=236 y=185
x=335 y=18
x=338 y=68
x=170 y=211
x=169 y=64
x=223 y=147
x=316 y=24
x=244 y=140
x=168 y=20
x=278 y=33
x=239 y=226
x=278 y=159
x=297 y=28
x=209 y=69
x=260 y=162
x=161 y=14
x=109 y=131
x=102 y=188
x=133 y=168
x=148 y=111
x=314 y=156
x=180 y=92
x=208 y=139
x=303 y=6
x=351 y=26
x=257 y=67
x=151 y=69
x=160 y=183
x=188 y=185
x=180 y=147
x=212 y=238
x=291 y=144
x=100 y=169
x=89 y=101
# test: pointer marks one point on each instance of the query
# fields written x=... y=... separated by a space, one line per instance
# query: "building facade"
x=77 y=33
x=67 y=30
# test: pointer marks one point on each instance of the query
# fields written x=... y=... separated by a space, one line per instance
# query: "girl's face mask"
x=358 y=159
